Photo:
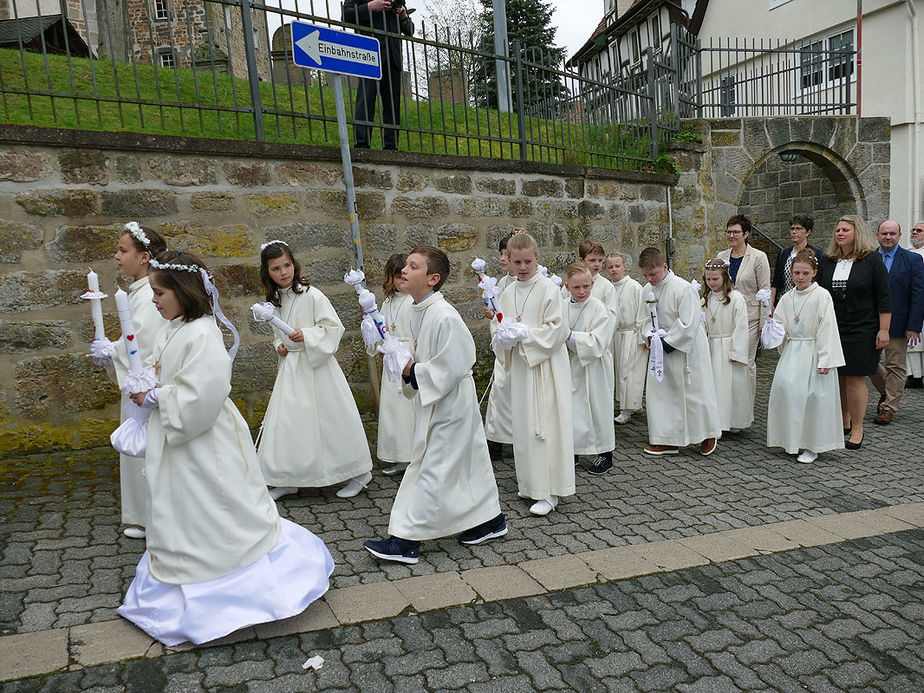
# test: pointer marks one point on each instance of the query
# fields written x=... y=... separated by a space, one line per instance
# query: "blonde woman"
x=856 y=278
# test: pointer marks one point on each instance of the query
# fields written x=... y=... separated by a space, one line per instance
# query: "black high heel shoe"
x=850 y=445
x=847 y=431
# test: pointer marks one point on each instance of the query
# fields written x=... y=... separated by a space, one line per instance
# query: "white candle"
x=96 y=304
x=128 y=332
x=93 y=281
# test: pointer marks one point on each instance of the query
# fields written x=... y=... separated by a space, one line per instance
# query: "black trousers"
x=389 y=87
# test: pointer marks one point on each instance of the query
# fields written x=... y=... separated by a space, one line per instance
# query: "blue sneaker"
x=492 y=529
x=394 y=549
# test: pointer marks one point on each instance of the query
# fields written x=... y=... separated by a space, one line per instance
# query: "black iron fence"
x=223 y=68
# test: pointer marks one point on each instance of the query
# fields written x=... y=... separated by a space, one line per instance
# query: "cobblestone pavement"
x=842 y=617
x=65 y=562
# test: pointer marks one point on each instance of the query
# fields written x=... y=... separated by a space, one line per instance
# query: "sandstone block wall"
x=64 y=197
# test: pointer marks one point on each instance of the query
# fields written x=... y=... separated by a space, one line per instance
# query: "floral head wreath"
x=174 y=266
x=137 y=233
x=716 y=264
x=514 y=232
x=264 y=246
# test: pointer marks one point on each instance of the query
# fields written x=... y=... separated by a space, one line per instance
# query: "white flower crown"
x=176 y=267
x=264 y=246
x=138 y=233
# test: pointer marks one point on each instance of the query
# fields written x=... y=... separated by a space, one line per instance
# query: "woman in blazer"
x=750 y=271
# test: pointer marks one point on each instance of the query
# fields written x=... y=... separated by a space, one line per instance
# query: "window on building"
x=636 y=46
x=655 y=31
x=811 y=67
x=840 y=62
x=161 y=11
x=166 y=58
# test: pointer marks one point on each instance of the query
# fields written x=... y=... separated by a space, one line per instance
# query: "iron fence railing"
x=756 y=77
x=223 y=68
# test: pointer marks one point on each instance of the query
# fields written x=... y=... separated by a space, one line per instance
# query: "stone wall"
x=64 y=196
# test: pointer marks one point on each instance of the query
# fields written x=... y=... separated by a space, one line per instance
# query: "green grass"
x=110 y=96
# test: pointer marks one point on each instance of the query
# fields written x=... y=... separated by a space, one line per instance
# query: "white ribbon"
x=509 y=333
x=763 y=297
x=212 y=291
x=656 y=355
x=489 y=291
x=394 y=357
x=371 y=314
x=263 y=312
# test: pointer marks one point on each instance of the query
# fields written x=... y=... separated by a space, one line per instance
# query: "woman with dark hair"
x=749 y=269
x=856 y=278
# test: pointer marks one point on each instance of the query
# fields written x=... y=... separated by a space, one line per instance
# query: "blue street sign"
x=325 y=49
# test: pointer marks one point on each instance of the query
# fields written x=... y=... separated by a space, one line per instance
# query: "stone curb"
x=48 y=651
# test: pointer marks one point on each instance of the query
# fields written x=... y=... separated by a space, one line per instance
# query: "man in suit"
x=906 y=282
x=386 y=24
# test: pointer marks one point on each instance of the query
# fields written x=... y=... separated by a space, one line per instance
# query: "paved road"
x=65 y=563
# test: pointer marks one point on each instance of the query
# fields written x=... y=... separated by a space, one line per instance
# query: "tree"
x=531 y=24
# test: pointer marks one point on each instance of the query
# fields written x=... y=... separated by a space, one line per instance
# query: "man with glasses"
x=800 y=228
x=906 y=282
x=914 y=364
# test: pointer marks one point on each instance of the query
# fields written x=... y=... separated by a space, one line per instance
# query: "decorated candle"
x=128 y=331
x=95 y=296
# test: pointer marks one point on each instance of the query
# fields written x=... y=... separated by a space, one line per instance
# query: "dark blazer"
x=906 y=281
x=358 y=12
x=866 y=295
x=777 y=281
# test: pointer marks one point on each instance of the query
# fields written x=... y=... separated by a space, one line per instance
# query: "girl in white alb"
x=725 y=314
x=805 y=404
x=312 y=434
x=137 y=246
x=395 y=445
x=219 y=558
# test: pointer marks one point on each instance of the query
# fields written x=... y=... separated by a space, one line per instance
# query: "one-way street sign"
x=325 y=49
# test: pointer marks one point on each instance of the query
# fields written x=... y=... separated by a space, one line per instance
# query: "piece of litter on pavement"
x=315 y=663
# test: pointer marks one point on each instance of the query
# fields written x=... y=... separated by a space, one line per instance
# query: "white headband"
x=174 y=266
x=264 y=246
x=137 y=233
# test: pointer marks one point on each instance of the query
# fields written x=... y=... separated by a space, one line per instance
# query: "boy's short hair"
x=437 y=262
x=803 y=220
x=651 y=257
x=625 y=257
x=590 y=246
x=522 y=241
x=578 y=268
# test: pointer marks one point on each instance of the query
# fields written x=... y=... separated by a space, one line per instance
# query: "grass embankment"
x=106 y=95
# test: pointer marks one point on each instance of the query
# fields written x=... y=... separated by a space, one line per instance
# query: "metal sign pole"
x=347 y=169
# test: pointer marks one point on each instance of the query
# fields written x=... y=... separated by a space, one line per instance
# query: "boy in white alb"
x=540 y=380
x=682 y=407
x=497 y=419
x=630 y=359
x=589 y=338
x=449 y=486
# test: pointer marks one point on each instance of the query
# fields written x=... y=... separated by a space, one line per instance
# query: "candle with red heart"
x=128 y=332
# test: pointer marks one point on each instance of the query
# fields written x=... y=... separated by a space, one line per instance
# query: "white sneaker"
x=544 y=507
x=355 y=485
x=807 y=457
x=280 y=491
x=624 y=416
x=133 y=532
x=395 y=468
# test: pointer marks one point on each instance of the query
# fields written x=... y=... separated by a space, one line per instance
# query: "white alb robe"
x=629 y=355
x=449 y=486
x=312 y=434
x=805 y=407
x=682 y=408
x=219 y=558
x=396 y=412
x=729 y=340
x=136 y=503
x=540 y=390
x=498 y=419
x=591 y=376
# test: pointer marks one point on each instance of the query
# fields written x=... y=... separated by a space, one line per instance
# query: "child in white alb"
x=312 y=434
x=629 y=356
x=533 y=350
x=590 y=334
x=219 y=558
x=498 y=426
x=726 y=319
x=804 y=413
x=137 y=246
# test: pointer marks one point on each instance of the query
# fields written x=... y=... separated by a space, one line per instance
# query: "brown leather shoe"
x=708 y=446
x=662 y=450
x=884 y=417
